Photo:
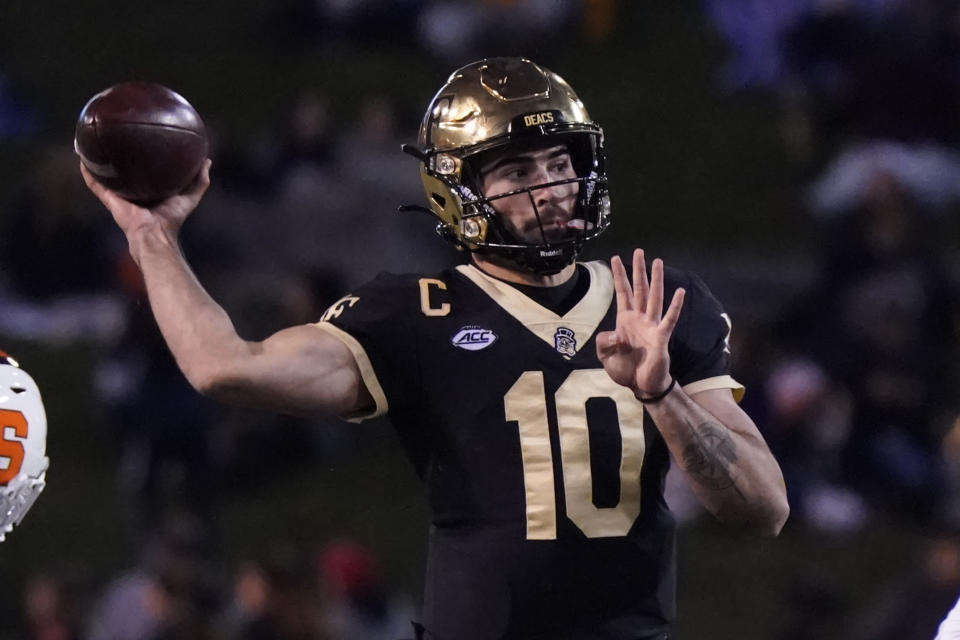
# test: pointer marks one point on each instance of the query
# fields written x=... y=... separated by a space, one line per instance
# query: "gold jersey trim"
x=583 y=319
x=367 y=374
x=716 y=382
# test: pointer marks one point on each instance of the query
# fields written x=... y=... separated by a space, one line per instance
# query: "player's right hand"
x=169 y=215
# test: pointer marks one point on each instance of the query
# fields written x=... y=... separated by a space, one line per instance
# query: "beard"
x=552 y=228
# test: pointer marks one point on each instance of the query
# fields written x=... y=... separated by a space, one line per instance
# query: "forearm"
x=730 y=469
x=197 y=330
x=299 y=370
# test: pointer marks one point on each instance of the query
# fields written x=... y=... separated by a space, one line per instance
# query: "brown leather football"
x=142 y=140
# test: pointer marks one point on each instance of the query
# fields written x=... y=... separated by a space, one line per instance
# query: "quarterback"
x=540 y=399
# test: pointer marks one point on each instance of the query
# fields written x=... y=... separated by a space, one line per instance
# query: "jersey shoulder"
x=699 y=305
x=700 y=345
x=387 y=297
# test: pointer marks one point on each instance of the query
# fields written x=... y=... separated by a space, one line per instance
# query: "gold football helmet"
x=489 y=104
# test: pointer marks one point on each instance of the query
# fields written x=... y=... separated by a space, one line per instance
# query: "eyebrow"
x=523 y=158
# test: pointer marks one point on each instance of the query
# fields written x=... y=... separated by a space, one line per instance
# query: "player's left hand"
x=635 y=354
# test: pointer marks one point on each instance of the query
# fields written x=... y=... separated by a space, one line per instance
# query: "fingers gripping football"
x=170 y=213
x=635 y=354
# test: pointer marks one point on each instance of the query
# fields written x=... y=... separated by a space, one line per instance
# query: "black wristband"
x=659 y=396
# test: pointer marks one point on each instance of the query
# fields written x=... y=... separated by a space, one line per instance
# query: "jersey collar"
x=583 y=319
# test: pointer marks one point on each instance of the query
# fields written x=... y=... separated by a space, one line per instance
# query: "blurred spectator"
x=16 y=118
x=170 y=594
x=376 y=21
x=452 y=30
x=912 y=608
x=357 y=601
x=251 y=445
x=163 y=426
x=879 y=69
x=276 y=598
x=813 y=612
x=894 y=318
x=49 y=219
x=927 y=173
x=248 y=601
x=808 y=424
x=848 y=69
x=754 y=30
x=302 y=138
x=468 y=30
x=53 y=607
x=323 y=211
x=51 y=291
x=879 y=323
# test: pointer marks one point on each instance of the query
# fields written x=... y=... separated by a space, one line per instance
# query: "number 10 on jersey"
x=526 y=403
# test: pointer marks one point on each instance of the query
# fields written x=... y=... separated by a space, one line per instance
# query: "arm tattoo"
x=709 y=458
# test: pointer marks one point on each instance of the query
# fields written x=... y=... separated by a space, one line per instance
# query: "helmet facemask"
x=542 y=252
x=489 y=107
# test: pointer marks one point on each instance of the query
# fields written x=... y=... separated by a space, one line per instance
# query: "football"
x=142 y=140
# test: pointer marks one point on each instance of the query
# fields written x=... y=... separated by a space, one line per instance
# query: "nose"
x=552 y=194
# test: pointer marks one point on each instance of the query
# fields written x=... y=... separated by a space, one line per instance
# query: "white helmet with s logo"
x=23 y=443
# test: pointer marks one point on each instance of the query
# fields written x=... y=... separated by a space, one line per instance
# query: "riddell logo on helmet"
x=535 y=119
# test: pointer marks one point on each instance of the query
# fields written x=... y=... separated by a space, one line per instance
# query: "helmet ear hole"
x=439 y=199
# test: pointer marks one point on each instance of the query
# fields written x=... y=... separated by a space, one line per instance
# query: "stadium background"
x=700 y=174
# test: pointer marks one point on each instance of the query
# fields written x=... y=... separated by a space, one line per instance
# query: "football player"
x=539 y=398
x=23 y=444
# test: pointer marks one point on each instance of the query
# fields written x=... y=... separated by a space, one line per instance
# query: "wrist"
x=653 y=398
x=150 y=238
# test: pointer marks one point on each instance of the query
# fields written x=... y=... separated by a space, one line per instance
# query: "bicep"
x=299 y=370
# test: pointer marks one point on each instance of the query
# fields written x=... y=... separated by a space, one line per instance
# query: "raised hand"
x=635 y=354
x=169 y=214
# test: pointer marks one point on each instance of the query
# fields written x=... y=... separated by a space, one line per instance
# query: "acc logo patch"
x=473 y=338
x=565 y=342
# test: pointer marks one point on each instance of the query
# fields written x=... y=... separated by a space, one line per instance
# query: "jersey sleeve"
x=374 y=323
x=700 y=347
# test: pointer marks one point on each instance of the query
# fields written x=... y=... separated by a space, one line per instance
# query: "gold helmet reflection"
x=489 y=104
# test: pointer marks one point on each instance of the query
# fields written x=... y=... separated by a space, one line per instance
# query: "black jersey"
x=545 y=479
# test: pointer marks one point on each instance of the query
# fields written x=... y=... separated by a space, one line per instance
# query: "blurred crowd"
x=852 y=377
x=177 y=591
x=858 y=371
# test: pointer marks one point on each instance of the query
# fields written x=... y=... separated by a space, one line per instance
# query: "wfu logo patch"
x=565 y=342
x=473 y=338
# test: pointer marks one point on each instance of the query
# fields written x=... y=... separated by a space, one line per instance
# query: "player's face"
x=518 y=169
